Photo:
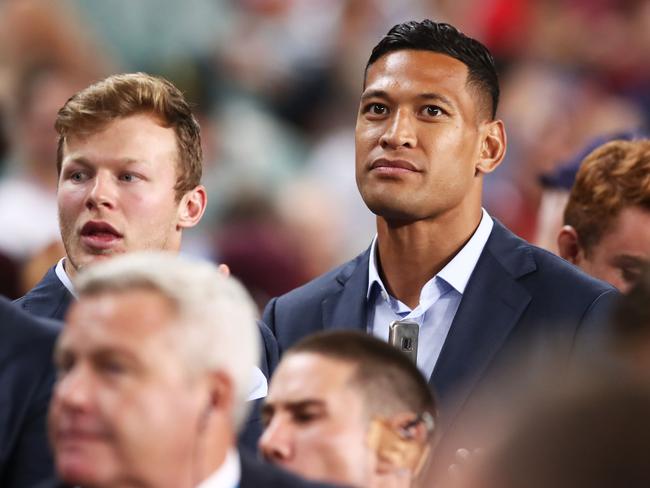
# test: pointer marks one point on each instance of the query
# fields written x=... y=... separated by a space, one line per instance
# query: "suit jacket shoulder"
x=49 y=298
x=255 y=474
x=26 y=379
x=333 y=300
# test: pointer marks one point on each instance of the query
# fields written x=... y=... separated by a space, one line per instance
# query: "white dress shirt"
x=228 y=474
x=439 y=298
x=259 y=384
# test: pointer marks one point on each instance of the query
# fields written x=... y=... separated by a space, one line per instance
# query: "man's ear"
x=568 y=244
x=401 y=443
x=192 y=207
x=493 y=147
x=222 y=391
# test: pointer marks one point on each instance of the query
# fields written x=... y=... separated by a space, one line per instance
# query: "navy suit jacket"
x=50 y=298
x=26 y=379
x=256 y=474
x=516 y=290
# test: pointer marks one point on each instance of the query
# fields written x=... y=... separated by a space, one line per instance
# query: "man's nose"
x=74 y=389
x=276 y=444
x=102 y=192
x=400 y=131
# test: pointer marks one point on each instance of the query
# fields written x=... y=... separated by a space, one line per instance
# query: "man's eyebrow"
x=435 y=96
x=374 y=94
x=422 y=96
x=630 y=260
x=83 y=161
x=301 y=404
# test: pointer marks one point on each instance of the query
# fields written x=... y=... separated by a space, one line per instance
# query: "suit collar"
x=49 y=298
x=347 y=308
x=491 y=306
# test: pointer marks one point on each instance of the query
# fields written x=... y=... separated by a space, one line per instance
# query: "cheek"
x=70 y=200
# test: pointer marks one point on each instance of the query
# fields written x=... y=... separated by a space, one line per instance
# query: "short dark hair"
x=444 y=39
x=387 y=378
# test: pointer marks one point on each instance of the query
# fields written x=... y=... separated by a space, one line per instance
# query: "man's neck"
x=410 y=254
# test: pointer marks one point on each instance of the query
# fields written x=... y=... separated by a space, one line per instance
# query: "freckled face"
x=418 y=137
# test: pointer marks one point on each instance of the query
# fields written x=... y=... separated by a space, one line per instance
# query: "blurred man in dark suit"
x=26 y=378
x=129 y=162
x=154 y=368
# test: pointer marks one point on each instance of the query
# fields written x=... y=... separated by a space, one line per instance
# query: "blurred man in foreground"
x=606 y=228
x=347 y=408
x=589 y=431
x=154 y=368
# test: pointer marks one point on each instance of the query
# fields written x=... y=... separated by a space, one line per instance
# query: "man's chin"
x=81 y=471
x=81 y=262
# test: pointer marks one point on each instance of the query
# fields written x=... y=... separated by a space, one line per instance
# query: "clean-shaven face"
x=417 y=136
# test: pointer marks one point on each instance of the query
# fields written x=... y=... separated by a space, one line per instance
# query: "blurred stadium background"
x=275 y=84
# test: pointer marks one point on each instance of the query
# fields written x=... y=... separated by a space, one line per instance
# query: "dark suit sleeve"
x=593 y=331
x=268 y=317
x=270 y=352
x=31 y=460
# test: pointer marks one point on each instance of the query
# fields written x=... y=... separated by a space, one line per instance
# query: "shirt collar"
x=64 y=278
x=227 y=475
x=457 y=272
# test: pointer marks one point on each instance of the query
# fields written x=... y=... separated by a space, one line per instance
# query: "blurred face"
x=418 y=137
x=37 y=138
x=621 y=253
x=124 y=405
x=315 y=421
x=116 y=191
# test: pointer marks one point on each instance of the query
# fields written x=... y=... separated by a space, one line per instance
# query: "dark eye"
x=631 y=275
x=377 y=109
x=432 y=111
x=304 y=417
x=111 y=367
x=128 y=177
x=64 y=365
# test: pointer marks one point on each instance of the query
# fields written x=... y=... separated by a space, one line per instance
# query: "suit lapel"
x=490 y=308
x=347 y=309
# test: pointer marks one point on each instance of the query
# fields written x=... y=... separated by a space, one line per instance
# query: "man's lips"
x=393 y=166
x=99 y=234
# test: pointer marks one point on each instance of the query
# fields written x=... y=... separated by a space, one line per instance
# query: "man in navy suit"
x=129 y=162
x=426 y=136
x=26 y=378
x=154 y=367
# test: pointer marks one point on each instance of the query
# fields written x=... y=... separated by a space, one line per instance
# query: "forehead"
x=416 y=72
x=629 y=234
x=138 y=137
x=309 y=376
x=134 y=320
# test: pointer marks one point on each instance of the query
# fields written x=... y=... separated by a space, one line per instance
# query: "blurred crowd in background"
x=275 y=84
